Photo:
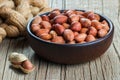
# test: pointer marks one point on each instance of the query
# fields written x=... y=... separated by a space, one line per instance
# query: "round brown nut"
x=75 y=26
x=58 y=39
x=90 y=38
x=45 y=18
x=35 y=27
x=93 y=16
x=60 y=19
x=41 y=31
x=102 y=32
x=79 y=12
x=85 y=22
x=75 y=33
x=27 y=65
x=45 y=36
x=96 y=24
x=84 y=30
x=80 y=37
x=68 y=35
x=70 y=12
x=59 y=29
x=87 y=13
x=37 y=20
x=97 y=17
x=71 y=42
x=66 y=25
x=105 y=25
x=73 y=18
x=45 y=25
x=53 y=33
x=92 y=31
x=53 y=14
x=104 y=22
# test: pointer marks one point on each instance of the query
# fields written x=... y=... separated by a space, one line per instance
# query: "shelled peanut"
x=69 y=26
x=20 y=61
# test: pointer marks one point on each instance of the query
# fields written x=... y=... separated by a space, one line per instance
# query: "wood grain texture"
x=107 y=67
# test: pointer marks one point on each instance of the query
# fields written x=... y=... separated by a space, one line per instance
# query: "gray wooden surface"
x=107 y=67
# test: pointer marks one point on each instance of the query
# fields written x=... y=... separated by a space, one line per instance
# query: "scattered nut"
x=20 y=61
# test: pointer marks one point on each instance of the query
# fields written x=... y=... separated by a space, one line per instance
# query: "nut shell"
x=17 y=57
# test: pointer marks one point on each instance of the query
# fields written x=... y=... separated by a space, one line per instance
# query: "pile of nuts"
x=14 y=15
x=20 y=61
x=69 y=26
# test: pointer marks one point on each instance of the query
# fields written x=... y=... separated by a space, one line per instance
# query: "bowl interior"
x=102 y=17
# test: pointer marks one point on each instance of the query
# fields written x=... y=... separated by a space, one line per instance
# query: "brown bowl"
x=70 y=53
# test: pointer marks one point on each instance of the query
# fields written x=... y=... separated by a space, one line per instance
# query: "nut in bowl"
x=70 y=36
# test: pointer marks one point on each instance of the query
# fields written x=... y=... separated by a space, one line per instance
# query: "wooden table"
x=107 y=67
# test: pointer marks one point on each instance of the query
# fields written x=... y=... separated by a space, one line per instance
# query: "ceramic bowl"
x=70 y=53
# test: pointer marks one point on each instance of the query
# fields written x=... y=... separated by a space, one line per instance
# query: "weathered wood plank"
x=10 y=73
x=3 y=52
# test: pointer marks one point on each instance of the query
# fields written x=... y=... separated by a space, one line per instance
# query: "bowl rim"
x=77 y=44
